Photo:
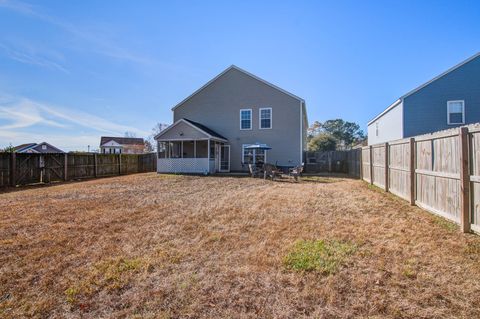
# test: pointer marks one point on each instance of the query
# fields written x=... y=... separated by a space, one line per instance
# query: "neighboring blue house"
x=451 y=99
x=43 y=147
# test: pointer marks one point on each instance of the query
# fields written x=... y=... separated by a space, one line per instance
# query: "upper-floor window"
x=265 y=115
x=44 y=147
x=246 y=119
x=455 y=112
x=376 y=129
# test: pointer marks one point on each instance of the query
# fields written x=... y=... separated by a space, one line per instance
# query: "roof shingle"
x=122 y=140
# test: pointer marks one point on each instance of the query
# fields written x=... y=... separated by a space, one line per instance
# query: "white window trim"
x=251 y=120
x=463 y=111
x=260 y=118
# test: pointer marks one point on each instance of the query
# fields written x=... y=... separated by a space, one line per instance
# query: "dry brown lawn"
x=158 y=246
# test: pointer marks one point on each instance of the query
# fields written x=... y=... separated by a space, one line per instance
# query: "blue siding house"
x=449 y=100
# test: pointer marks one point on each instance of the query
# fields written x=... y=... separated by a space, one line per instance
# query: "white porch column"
x=181 y=149
x=208 y=150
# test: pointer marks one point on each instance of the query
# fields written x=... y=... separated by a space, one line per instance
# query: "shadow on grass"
x=19 y=188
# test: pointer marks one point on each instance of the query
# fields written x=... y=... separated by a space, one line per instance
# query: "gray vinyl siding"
x=218 y=106
x=425 y=111
x=184 y=129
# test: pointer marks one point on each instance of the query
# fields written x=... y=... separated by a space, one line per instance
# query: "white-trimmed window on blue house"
x=252 y=156
x=246 y=119
x=455 y=112
x=265 y=116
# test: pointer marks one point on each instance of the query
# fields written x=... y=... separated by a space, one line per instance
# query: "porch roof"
x=206 y=132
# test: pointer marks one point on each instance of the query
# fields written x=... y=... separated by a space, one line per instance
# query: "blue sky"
x=71 y=71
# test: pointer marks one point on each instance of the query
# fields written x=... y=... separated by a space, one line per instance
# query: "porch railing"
x=184 y=165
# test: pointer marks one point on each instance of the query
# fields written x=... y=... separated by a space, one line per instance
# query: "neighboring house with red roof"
x=121 y=145
x=43 y=147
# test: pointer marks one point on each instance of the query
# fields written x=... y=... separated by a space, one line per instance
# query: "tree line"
x=334 y=135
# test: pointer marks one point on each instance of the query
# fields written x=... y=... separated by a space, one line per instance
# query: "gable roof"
x=234 y=67
x=23 y=146
x=51 y=146
x=202 y=128
x=205 y=129
x=424 y=85
x=33 y=146
x=122 y=140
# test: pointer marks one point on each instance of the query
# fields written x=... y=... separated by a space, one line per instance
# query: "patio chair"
x=296 y=172
x=254 y=170
x=271 y=171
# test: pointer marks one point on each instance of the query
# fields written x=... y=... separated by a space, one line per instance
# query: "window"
x=44 y=147
x=376 y=129
x=247 y=155
x=455 y=112
x=253 y=156
x=265 y=115
x=246 y=119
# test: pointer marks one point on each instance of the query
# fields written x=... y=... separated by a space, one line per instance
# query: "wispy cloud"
x=98 y=43
x=24 y=114
x=19 y=114
x=32 y=58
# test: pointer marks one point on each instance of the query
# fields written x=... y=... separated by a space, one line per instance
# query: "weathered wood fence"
x=439 y=172
x=23 y=169
x=347 y=162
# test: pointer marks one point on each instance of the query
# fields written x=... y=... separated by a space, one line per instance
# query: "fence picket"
x=22 y=169
x=438 y=172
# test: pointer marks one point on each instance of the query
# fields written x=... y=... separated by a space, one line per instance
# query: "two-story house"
x=121 y=145
x=213 y=127
x=449 y=100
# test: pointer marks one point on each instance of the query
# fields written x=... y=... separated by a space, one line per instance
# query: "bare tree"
x=148 y=147
x=129 y=134
x=155 y=130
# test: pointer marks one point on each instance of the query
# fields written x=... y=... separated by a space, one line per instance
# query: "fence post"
x=386 y=167
x=371 y=164
x=95 y=165
x=65 y=168
x=412 y=171
x=361 y=163
x=119 y=164
x=13 y=164
x=464 y=181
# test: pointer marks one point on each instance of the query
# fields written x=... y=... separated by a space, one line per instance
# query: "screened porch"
x=190 y=147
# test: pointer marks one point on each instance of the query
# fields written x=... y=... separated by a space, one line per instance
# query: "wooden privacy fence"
x=347 y=162
x=439 y=172
x=28 y=168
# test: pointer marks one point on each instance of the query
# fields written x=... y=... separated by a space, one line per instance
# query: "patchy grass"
x=445 y=224
x=318 y=255
x=318 y=179
x=109 y=275
x=410 y=268
x=166 y=246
